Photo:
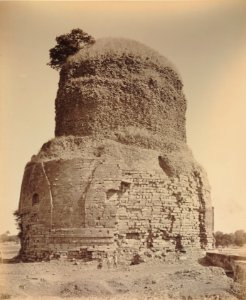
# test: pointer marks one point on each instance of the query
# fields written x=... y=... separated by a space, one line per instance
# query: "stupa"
x=118 y=176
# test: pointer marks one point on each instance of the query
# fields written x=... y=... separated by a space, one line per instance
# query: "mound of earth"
x=153 y=280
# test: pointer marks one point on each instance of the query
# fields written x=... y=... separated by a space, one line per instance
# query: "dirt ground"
x=154 y=279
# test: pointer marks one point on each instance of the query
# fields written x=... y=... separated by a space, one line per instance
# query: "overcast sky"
x=206 y=40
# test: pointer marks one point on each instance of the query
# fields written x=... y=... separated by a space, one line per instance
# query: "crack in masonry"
x=90 y=179
x=202 y=211
x=50 y=193
x=20 y=208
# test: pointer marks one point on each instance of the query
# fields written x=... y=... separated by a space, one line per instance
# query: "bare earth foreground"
x=150 y=280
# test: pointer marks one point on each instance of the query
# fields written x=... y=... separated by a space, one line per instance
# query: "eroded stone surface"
x=116 y=87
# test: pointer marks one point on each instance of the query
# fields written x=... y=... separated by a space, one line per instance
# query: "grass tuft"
x=106 y=47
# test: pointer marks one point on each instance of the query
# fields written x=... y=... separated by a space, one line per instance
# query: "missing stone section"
x=133 y=236
x=178 y=245
x=124 y=186
x=202 y=211
x=35 y=199
x=110 y=193
x=165 y=165
x=165 y=235
x=150 y=239
x=50 y=194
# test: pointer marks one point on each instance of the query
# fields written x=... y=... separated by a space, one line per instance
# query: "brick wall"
x=110 y=201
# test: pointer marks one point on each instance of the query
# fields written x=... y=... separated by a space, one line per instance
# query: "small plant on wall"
x=68 y=44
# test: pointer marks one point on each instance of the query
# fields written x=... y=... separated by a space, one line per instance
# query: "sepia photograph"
x=122 y=148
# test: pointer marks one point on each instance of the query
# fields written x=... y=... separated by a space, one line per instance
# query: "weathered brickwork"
x=130 y=184
x=108 y=90
x=100 y=202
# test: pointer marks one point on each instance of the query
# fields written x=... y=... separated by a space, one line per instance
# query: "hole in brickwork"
x=178 y=245
x=165 y=165
x=152 y=83
x=124 y=186
x=133 y=236
x=172 y=219
x=165 y=235
x=110 y=193
x=35 y=199
x=99 y=151
x=149 y=240
x=137 y=259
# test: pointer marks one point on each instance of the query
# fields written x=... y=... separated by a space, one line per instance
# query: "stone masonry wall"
x=102 y=202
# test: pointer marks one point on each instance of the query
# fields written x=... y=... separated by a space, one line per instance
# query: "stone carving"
x=118 y=176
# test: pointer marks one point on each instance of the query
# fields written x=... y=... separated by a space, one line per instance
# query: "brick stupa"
x=118 y=176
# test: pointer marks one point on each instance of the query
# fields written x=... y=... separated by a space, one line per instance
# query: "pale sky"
x=206 y=40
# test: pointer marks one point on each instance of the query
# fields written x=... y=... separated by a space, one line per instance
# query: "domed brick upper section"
x=119 y=85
